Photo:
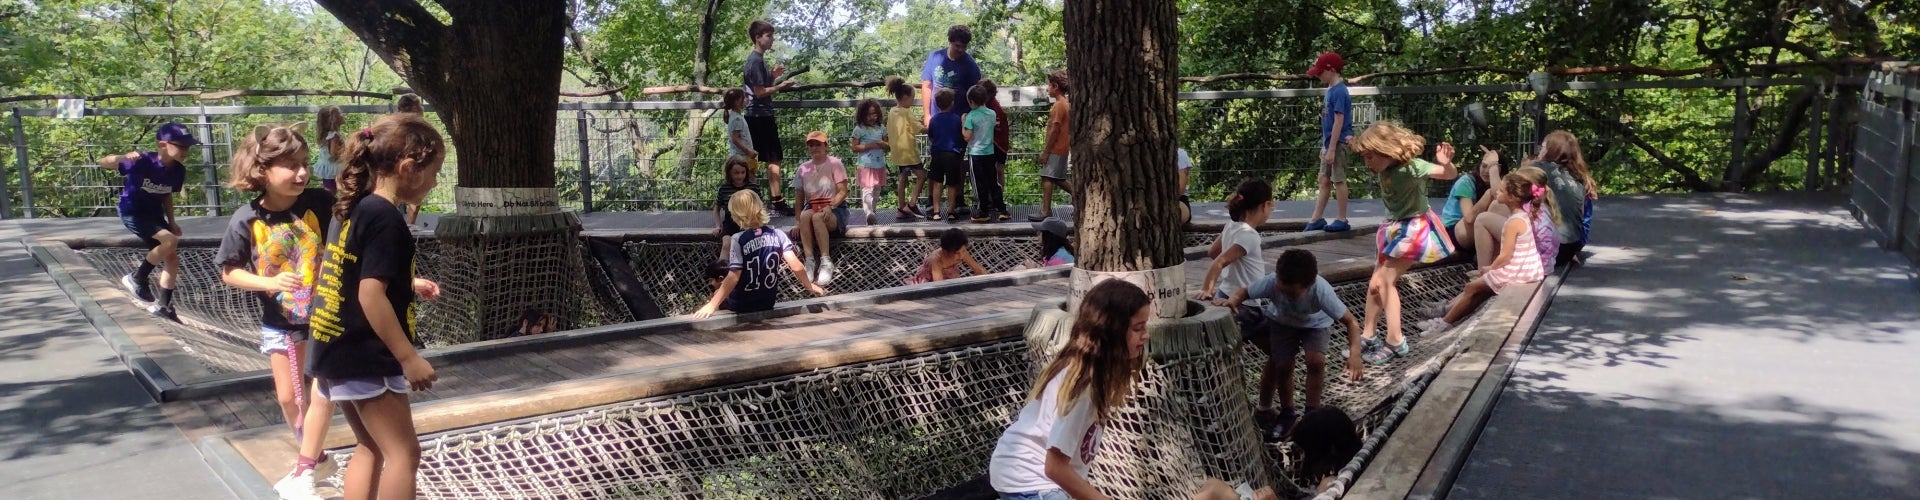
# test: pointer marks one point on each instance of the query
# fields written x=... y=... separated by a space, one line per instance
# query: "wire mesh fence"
x=666 y=155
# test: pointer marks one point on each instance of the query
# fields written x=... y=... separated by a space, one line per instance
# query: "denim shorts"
x=274 y=339
x=1037 y=495
x=356 y=389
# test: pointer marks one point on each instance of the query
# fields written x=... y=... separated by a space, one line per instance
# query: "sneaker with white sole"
x=826 y=272
x=165 y=313
x=296 y=487
x=137 y=287
x=1433 y=326
x=812 y=267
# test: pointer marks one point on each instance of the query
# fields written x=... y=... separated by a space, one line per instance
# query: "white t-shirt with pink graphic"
x=1019 y=463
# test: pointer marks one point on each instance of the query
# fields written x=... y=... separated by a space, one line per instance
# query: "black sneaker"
x=163 y=313
x=137 y=287
x=781 y=207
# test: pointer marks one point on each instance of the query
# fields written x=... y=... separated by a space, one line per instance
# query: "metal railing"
x=1886 y=162
x=666 y=155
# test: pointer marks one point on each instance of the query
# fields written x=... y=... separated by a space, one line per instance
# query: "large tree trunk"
x=1121 y=56
x=492 y=74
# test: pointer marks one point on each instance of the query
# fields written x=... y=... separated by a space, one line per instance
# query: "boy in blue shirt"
x=947 y=147
x=146 y=208
x=1336 y=126
x=1297 y=313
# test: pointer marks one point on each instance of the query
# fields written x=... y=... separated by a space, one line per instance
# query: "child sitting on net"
x=1300 y=307
x=944 y=264
x=753 y=264
x=1526 y=194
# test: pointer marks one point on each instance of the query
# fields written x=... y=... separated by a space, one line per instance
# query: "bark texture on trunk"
x=1121 y=55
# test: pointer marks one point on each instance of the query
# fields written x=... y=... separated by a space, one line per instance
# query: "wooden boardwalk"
x=531 y=368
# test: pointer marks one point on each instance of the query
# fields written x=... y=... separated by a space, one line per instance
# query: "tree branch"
x=1690 y=178
x=400 y=31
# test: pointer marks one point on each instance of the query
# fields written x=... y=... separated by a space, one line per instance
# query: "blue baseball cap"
x=176 y=133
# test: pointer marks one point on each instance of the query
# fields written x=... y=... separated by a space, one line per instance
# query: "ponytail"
x=1529 y=183
x=376 y=151
x=1251 y=193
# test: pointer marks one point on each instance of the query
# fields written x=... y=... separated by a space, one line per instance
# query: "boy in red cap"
x=1336 y=126
x=146 y=208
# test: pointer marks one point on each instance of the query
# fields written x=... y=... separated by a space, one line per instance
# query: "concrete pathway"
x=73 y=422
x=1716 y=346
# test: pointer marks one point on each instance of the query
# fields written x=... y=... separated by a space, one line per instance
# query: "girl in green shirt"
x=1411 y=234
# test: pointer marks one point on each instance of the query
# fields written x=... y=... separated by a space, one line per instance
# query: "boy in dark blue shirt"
x=146 y=208
x=945 y=144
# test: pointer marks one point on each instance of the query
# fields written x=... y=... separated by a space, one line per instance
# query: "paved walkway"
x=1716 y=347
x=73 y=422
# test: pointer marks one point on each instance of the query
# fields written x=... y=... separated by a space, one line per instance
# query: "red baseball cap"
x=1327 y=61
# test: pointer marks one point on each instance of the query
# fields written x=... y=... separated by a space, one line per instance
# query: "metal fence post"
x=1902 y=166
x=586 y=166
x=20 y=160
x=212 y=171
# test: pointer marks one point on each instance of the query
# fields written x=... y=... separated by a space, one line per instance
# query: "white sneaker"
x=812 y=267
x=1434 y=310
x=296 y=487
x=826 y=272
x=1433 y=326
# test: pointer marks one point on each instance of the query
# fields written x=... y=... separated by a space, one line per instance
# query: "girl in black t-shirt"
x=739 y=178
x=363 y=328
x=272 y=248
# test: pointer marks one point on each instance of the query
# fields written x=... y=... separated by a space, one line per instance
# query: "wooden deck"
x=521 y=369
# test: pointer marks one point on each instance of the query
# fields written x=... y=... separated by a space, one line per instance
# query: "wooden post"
x=20 y=160
x=586 y=166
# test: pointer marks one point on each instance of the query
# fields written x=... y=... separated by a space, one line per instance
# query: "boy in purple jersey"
x=146 y=209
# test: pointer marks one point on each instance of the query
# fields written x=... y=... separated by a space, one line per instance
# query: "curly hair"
x=1389 y=139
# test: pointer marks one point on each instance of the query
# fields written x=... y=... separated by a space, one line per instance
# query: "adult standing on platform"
x=954 y=69
x=760 y=123
x=950 y=68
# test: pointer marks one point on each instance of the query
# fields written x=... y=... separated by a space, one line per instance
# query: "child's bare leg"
x=1320 y=204
x=1286 y=367
x=1374 y=296
x=284 y=387
x=935 y=197
x=900 y=186
x=1340 y=190
x=773 y=180
x=1316 y=377
x=1486 y=234
x=806 y=233
x=363 y=469
x=1390 y=298
x=1471 y=296
x=1463 y=231
x=953 y=196
x=167 y=256
x=314 y=432
x=823 y=223
x=1046 y=197
x=389 y=423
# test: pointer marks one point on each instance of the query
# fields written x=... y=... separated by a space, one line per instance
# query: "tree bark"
x=493 y=76
x=1797 y=118
x=1122 y=56
x=1743 y=118
x=697 y=118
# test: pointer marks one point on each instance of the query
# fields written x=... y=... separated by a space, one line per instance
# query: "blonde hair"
x=266 y=146
x=1389 y=139
x=745 y=209
x=1520 y=185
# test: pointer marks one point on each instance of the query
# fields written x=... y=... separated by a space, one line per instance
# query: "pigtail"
x=355 y=179
x=377 y=150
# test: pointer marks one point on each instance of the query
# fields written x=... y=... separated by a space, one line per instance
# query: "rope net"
x=912 y=426
x=222 y=322
x=674 y=271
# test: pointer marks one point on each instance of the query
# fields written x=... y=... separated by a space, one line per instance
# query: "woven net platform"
x=911 y=426
x=221 y=327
